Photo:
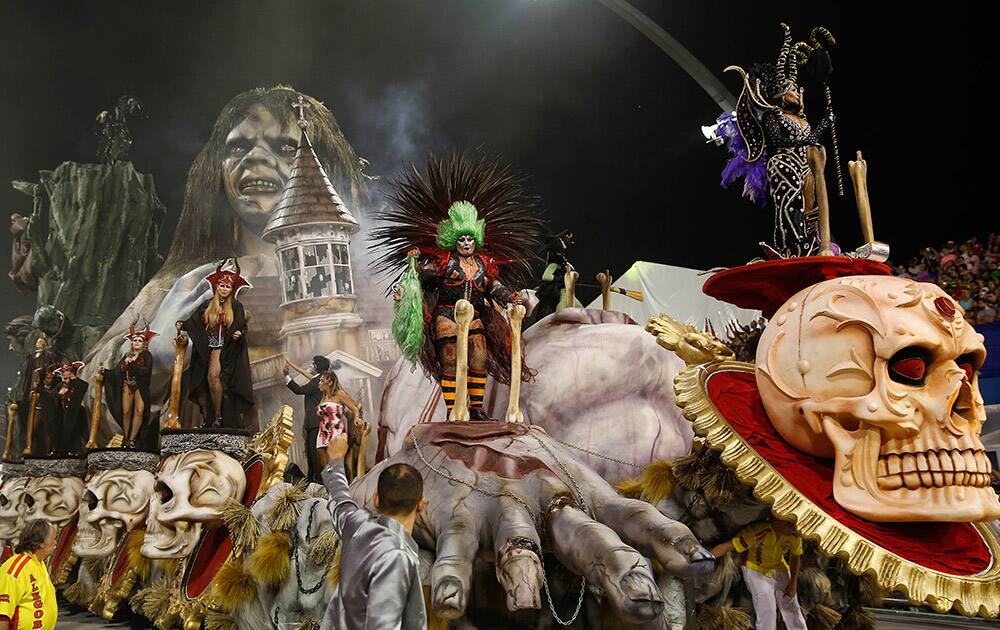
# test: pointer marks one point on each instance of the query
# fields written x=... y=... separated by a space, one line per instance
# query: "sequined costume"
x=796 y=217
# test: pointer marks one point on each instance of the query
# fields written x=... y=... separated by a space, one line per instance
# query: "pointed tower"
x=311 y=229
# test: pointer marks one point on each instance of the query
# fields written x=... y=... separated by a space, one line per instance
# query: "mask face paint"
x=190 y=493
x=114 y=503
x=465 y=245
x=258 y=158
x=881 y=373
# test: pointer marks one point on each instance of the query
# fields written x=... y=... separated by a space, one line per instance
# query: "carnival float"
x=577 y=472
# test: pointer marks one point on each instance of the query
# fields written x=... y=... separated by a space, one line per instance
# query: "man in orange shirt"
x=769 y=577
x=27 y=597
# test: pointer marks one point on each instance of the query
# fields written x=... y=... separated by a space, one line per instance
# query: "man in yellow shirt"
x=27 y=597
x=769 y=577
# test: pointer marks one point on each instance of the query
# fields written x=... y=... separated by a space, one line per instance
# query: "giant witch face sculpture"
x=257 y=163
x=114 y=503
x=190 y=493
x=54 y=499
x=882 y=374
x=11 y=508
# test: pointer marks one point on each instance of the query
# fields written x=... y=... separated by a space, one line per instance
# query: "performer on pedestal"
x=467 y=231
x=47 y=413
x=127 y=386
x=768 y=139
x=32 y=377
x=72 y=425
x=310 y=421
x=219 y=375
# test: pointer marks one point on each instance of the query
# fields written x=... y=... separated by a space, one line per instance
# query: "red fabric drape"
x=954 y=548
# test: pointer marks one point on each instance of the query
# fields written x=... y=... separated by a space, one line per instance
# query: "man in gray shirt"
x=379 y=585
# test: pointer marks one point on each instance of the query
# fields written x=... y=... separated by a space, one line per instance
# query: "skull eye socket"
x=909 y=366
x=166 y=494
x=91 y=500
x=968 y=364
x=4 y=500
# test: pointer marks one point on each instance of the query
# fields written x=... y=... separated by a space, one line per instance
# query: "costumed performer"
x=467 y=230
x=219 y=379
x=128 y=386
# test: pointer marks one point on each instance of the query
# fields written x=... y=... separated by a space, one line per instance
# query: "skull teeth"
x=934 y=469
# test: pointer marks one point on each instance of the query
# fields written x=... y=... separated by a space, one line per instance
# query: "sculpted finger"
x=457 y=545
x=643 y=526
x=595 y=551
x=517 y=545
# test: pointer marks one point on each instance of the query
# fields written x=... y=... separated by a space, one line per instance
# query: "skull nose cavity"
x=964 y=406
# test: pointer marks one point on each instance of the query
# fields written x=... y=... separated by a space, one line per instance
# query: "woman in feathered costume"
x=465 y=229
x=768 y=138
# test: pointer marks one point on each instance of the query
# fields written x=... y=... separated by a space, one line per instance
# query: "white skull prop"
x=54 y=499
x=114 y=503
x=190 y=492
x=11 y=508
x=882 y=374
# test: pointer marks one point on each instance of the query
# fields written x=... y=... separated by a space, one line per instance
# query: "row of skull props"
x=115 y=502
x=22 y=499
x=881 y=374
x=189 y=494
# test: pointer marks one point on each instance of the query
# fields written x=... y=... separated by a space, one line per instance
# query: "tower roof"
x=308 y=197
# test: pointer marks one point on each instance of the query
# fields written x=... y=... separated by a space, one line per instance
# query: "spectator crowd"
x=969 y=272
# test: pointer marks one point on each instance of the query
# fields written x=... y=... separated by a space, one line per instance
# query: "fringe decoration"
x=271 y=561
x=656 y=482
x=152 y=601
x=94 y=567
x=856 y=618
x=703 y=470
x=871 y=592
x=721 y=618
x=243 y=527
x=78 y=594
x=408 y=314
x=309 y=623
x=219 y=621
x=324 y=548
x=233 y=585
x=139 y=563
x=284 y=511
x=822 y=618
x=813 y=588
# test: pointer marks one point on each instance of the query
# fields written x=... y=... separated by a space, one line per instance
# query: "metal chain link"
x=295 y=556
x=506 y=493
x=596 y=454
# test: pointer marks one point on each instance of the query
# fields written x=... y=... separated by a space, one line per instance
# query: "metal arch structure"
x=666 y=42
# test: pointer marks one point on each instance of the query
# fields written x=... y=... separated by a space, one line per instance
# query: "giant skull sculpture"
x=190 y=493
x=11 y=508
x=881 y=373
x=114 y=503
x=54 y=499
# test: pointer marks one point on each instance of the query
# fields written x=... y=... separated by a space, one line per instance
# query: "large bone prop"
x=604 y=279
x=872 y=249
x=569 y=281
x=32 y=418
x=174 y=409
x=515 y=315
x=817 y=162
x=463 y=317
x=11 y=419
x=95 y=410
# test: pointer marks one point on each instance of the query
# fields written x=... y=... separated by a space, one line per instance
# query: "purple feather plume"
x=754 y=174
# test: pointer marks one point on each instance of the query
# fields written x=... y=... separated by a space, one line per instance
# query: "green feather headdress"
x=463 y=219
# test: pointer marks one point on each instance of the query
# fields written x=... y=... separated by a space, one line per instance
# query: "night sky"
x=605 y=124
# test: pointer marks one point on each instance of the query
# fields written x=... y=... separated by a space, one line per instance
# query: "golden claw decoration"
x=693 y=346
